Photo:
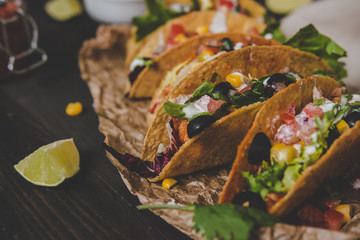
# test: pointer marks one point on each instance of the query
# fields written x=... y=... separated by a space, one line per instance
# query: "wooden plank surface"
x=95 y=204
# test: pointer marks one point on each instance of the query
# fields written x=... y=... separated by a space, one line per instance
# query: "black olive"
x=137 y=70
x=259 y=149
x=135 y=73
x=252 y=198
x=333 y=134
x=352 y=118
x=223 y=88
x=198 y=124
x=270 y=84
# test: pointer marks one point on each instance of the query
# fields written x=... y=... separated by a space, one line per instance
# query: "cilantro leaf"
x=310 y=40
x=224 y=221
x=228 y=221
x=157 y=15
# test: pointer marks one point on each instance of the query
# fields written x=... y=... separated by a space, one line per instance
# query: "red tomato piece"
x=175 y=30
x=311 y=216
x=287 y=134
x=333 y=219
x=183 y=135
x=288 y=118
x=245 y=89
x=228 y=4
x=152 y=110
x=312 y=110
x=214 y=105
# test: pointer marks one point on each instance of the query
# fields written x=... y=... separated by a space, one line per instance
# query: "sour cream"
x=192 y=109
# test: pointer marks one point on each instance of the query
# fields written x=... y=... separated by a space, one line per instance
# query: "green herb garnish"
x=224 y=221
x=310 y=40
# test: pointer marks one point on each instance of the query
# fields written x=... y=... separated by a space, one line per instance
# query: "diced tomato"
x=288 y=118
x=311 y=216
x=312 y=110
x=183 y=135
x=245 y=89
x=175 y=30
x=214 y=105
x=305 y=131
x=291 y=109
x=333 y=219
x=287 y=134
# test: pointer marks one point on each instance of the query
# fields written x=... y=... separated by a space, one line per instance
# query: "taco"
x=181 y=28
x=302 y=136
x=218 y=102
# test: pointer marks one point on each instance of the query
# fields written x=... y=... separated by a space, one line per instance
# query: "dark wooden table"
x=94 y=204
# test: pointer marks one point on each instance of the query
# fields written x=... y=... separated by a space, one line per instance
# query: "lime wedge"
x=62 y=10
x=284 y=6
x=51 y=164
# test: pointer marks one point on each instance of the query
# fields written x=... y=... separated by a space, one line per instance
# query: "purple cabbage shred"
x=145 y=168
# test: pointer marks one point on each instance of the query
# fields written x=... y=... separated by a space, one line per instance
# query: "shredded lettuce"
x=310 y=40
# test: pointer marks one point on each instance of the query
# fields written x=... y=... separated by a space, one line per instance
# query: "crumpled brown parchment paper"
x=123 y=122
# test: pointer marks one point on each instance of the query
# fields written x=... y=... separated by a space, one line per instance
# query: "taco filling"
x=204 y=53
x=209 y=102
x=298 y=143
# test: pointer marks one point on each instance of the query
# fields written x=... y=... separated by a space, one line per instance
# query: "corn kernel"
x=235 y=79
x=344 y=209
x=74 y=109
x=207 y=52
x=167 y=183
x=180 y=38
x=342 y=126
x=283 y=153
x=202 y=29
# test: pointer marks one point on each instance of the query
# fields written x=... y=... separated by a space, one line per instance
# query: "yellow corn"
x=344 y=209
x=235 y=79
x=342 y=126
x=207 y=52
x=283 y=153
x=74 y=109
x=167 y=183
x=202 y=29
x=180 y=38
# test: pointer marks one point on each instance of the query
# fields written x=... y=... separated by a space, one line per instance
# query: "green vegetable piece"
x=175 y=110
x=310 y=40
x=228 y=221
x=214 y=76
x=203 y=89
x=291 y=174
x=224 y=221
x=269 y=180
x=273 y=27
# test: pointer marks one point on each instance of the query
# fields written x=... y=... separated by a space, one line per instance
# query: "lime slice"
x=51 y=164
x=62 y=10
x=284 y=6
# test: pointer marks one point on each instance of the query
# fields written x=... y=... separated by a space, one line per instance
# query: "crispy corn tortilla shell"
x=340 y=156
x=146 y=47
x=150 y=78
x=257 y=61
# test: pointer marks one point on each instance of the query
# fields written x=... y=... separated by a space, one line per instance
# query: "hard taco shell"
x=340 y=156
x=256 y=61
x=146 y=47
